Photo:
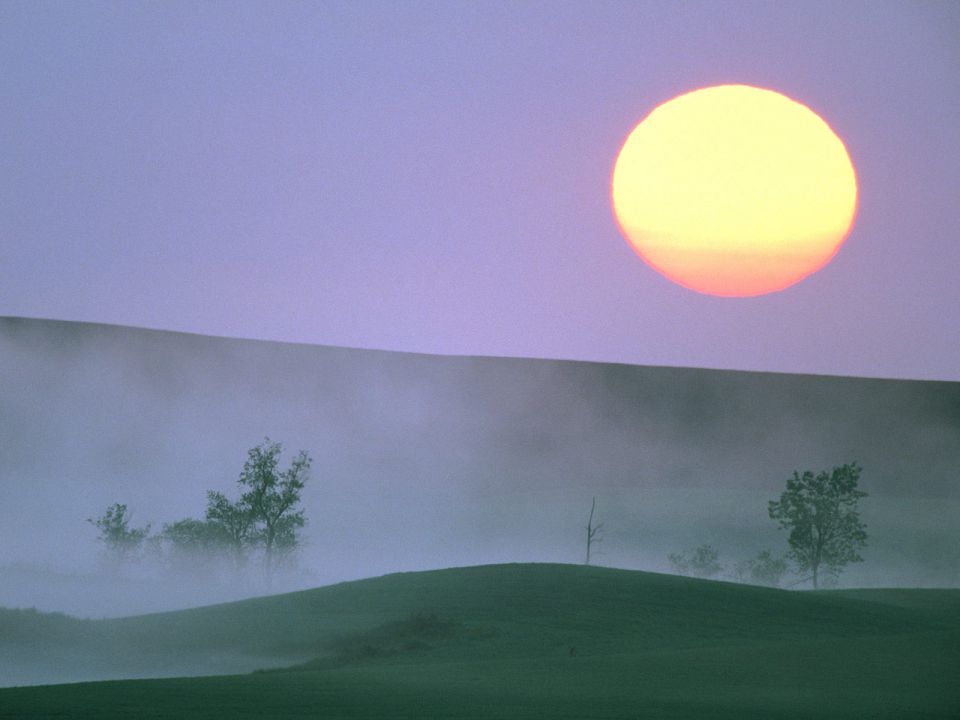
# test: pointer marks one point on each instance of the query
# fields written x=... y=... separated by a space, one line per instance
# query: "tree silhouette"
x=195 y=546
x=272 y=497
x=593 y=531
x=122 y=541
x=236 y=521
x=821 y=513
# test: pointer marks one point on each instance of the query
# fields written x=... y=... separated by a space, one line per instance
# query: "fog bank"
x=427 y=461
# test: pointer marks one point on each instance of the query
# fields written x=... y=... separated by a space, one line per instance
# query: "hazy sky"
x=434 y=176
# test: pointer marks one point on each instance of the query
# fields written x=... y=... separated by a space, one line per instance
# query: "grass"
x=494 y=642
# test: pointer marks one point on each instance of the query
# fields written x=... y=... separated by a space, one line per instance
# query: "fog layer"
x=427 y=461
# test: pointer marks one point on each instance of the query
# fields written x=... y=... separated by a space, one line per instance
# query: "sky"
x=434 y=177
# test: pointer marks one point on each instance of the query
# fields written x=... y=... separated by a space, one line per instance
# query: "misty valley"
x=205 y=527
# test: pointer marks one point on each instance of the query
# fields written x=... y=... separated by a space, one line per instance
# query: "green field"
x=495 y=642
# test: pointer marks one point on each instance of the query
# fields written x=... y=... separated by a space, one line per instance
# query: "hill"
x=495 y=641
x=427 y=461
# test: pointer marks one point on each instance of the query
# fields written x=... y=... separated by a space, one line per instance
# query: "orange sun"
x=735 y=191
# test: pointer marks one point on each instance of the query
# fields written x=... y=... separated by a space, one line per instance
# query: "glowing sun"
x=733 y=190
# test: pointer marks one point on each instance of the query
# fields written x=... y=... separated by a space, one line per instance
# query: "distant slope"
x=521 y=611
x=647 y=645
x=936 y=605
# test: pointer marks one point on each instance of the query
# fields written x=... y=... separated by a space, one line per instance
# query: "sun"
x=734 y=191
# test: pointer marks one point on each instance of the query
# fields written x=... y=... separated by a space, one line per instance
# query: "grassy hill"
x=495 y=641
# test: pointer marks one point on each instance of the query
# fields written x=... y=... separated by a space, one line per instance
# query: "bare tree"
x=593 y=531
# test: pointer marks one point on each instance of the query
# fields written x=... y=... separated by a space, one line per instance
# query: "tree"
x=767 y=570
x=764 y=569
x=703 y=562
x=820 y=511
x=121 y=540
x=236 y=521
x=272 y=497
x=195 y=544
x=593 y=531
x=190 y=535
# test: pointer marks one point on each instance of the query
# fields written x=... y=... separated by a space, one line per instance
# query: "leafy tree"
x=190 y=535
x=194 y=544
x=122 y=541
x=820 y=511
x=196 y=537
x=703 y=562
x=272 y=497
x=236 y=522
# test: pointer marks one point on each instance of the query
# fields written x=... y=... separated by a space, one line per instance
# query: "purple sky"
x=434 y=177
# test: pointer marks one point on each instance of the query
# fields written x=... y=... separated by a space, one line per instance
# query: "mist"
x=424 y=462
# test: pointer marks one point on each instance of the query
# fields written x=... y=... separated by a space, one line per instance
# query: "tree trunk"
x=815 y=568
x=268 y=559
x=238 y=559
x=591 y=531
